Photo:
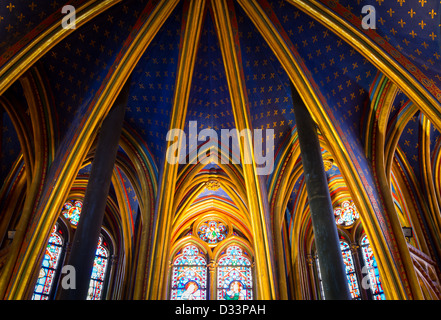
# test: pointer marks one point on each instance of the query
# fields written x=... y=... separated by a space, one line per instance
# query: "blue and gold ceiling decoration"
x=209 y=103
x=22 y=20
x=329 y=59
x=153 y=80
x=412 y=27
x=78 y=67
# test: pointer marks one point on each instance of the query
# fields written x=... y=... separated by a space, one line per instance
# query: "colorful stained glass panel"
x=189 y=275
x=350 y=270
x=48 y=267
x=98 y=272
x=346 y=214
x=234 y=276
x=72 y=211
x=212 y=231
x=371 y=269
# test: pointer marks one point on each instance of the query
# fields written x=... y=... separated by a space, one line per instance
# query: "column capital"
x=212 y=266
x=354 y=247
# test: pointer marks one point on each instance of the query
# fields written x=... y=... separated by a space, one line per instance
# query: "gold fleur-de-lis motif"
x=10 y=6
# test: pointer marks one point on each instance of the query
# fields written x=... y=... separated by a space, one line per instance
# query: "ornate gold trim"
x=312 y=100
x=234 y=74
x=83 y=143
x=156 y=286
x=384 y=106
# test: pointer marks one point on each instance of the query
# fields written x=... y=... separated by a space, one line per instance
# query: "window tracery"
x=228 y=276
x=350 y=270
x=371 y=268
x=72 y=211
x=99 y=269
x=49 y=266
x=346 y=214
x=49 y=271
x=369 y=271
x=212 y=231
x=234 y=279
x=189 y=274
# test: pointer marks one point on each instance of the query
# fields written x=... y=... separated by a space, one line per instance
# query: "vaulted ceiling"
x=76 y=66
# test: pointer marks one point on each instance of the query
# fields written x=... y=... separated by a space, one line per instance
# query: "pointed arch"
x=379 y=52
x=189 y=274
x=150 y=22
x=215 y=207
x=381 y=102
x=234 y=273
x=52 y=259
x=368 y=204
x=156 y=288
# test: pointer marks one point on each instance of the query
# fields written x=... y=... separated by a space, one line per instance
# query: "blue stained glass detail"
x=98 y=272
x=346 y=214
x=189 y=275
x=234 y=278
x=72 y=211
x=48 y=267
x=371 y=268
x=212 y=231
x=350 y=270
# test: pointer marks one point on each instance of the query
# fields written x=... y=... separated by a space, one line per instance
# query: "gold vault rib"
x=156 y=288
x=80 y=148
x=234 y=74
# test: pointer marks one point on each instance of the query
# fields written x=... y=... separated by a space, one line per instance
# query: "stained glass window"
x=98 y=271
x=212 y=231
x=49 y=266
x=370 y=266
x=234 y=278
x=350 y=270
x=346 y=214
x=189 y=274
x=72 y=210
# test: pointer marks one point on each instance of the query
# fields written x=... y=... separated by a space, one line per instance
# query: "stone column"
x=89 y=226
x=332 y=269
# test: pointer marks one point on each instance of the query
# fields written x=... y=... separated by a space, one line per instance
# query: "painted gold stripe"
x=392 y=143
x=156 y=286
x=385 y=97
x=316 y=106
x=426 y=168
x=83 y=143
x=234 y=74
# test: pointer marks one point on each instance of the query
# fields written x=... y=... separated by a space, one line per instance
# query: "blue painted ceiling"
x=77 y=65
x=152 y=89
x=412 y=27
x=19 y=17
x=10 y=148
